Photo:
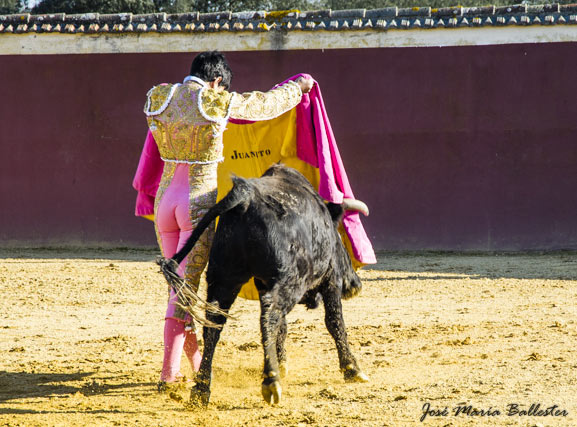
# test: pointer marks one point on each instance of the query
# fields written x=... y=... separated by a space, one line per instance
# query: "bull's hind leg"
x=271 y=319
x=223 y=296
x=336 y=326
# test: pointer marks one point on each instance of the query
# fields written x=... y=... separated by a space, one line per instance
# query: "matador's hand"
x=305 y=83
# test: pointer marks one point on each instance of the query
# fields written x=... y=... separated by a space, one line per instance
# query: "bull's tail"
x=239 y=196
x=187 y=298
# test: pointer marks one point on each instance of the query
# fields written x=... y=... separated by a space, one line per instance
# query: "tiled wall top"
x=353 y=19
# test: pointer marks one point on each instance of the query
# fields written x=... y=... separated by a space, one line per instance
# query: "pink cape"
x=316 y=145
x=147 y=177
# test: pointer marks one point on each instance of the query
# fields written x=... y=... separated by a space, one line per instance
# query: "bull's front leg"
x=280 y=348
x=336 y=326
x=271 y=318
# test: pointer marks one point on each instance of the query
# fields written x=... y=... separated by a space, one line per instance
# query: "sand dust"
x=81 y=344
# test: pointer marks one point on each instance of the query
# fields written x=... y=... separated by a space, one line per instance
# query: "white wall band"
x=57 y=43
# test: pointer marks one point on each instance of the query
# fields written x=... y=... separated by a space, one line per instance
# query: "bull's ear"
x=336 y=211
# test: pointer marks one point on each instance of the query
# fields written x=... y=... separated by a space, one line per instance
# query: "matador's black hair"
x=210 y=65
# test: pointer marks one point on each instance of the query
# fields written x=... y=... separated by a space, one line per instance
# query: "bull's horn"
x=355 y=205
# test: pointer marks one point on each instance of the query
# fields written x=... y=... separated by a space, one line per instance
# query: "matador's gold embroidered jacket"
x=187 y=120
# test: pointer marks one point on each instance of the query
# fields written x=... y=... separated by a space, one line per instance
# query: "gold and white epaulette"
x=214 y=105
x=158 y=98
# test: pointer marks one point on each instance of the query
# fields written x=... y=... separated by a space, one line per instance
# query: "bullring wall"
x=460 y=139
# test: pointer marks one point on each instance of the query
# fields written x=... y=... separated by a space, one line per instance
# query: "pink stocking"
x=174 y=337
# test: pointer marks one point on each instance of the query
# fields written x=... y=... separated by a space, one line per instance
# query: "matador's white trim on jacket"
x=193 y=162
x=164 y=105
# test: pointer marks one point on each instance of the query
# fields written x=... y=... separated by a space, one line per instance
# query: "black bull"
x=278 y=230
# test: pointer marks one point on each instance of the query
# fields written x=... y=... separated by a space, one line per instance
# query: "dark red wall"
x=452 y=148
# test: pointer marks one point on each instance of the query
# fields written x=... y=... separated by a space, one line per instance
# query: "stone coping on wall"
x=391 y=18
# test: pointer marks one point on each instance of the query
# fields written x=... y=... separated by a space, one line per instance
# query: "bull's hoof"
x=271 y=392
x=199 y=395
x=353 y=375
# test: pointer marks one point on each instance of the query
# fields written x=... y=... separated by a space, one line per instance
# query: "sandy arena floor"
x=81 y=344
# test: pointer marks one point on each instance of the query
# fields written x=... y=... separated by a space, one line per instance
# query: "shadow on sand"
x=25 y=385
x=557 y=265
